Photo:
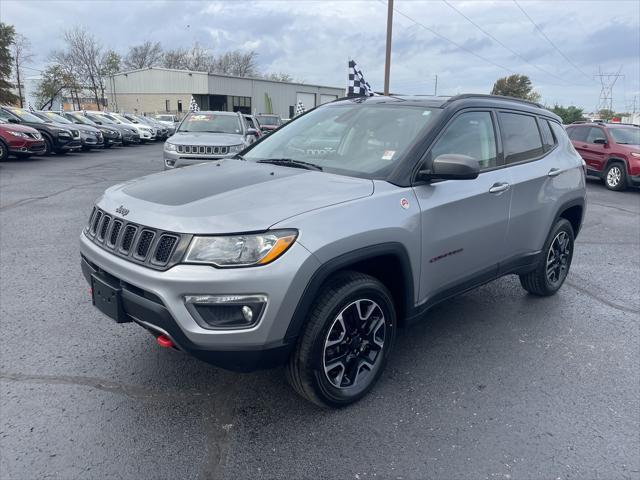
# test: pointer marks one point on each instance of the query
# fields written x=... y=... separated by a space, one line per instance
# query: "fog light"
x=226 y=311
x=247 y=313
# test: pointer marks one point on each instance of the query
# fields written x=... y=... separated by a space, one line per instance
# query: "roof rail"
x=499 y=97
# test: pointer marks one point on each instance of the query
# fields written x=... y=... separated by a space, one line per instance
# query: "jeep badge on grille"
x=122 y=211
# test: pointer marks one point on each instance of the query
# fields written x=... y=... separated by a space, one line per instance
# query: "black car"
x=57 y=136
x=112 y=135
x=128 y=135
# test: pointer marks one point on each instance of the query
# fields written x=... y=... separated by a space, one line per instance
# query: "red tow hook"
x=164 y=341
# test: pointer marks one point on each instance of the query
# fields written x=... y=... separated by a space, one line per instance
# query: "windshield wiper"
x=289 y=162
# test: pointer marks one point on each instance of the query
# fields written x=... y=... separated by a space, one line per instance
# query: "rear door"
x=597 y=152
x=464 y=222
x=537 y=167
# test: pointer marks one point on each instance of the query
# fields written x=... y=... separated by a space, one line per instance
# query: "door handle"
x=499 y=187
x=554 y=172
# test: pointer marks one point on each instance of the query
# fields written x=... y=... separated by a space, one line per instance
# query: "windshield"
x=270 y=120
x=626 y=136
x=165 y=118
x=211 y=123
x=119 y=118
x=131 y=119
x=100 y=118
x=24 y=115
x=54 y=117
x=351 y=139
x=81 y=118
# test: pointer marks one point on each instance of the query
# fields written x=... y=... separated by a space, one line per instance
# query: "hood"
x=206 y=139
x=229 y=196
x=15 y=127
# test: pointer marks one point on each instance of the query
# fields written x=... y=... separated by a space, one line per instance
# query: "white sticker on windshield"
x=388 y=154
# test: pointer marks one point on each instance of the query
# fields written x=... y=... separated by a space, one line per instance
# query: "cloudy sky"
x=313 y=40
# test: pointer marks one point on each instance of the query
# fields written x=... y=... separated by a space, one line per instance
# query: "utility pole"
x=387 y=63
x=435 y=87
x=607 y=81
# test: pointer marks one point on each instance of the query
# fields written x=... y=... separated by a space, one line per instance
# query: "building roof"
x=191 y=72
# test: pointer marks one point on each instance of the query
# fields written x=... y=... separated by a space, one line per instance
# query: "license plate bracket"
x=107 y=298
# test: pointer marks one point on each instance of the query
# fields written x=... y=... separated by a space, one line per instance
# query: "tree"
x=176 y=58
x=568 y=114
x=7 y=35
x=54 y=80
x=21 y=51
x=110 y=63
x=518 y=86
x=84 y=52
x=147 y=55
x=237 y=63
x=279 y=77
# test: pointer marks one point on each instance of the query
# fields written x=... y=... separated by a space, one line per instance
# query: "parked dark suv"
x=611 y=152
x=57 y=137
x=312 y=245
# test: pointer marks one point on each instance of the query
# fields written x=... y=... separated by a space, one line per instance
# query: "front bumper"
x=90 y=140
x=176 y=160
x=156 y=300
x=633 y=180
x=27 y=147
x=65 y=145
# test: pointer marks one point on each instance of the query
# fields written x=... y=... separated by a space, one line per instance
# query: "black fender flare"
x=611 y=160
x=342 y=262
x=577 y=202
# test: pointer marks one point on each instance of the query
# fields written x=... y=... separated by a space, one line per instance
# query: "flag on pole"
x=299 y=108
x=31 y=109
x=193 y=105
x=357 y=85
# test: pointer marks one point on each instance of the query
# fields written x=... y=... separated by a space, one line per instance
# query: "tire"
x=4 y=152
x=345 y=345
x=48 y=148
x=615 y=177
x=555 y=261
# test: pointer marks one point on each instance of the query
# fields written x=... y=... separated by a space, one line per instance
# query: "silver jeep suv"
x=312 y=246
x=204 y=136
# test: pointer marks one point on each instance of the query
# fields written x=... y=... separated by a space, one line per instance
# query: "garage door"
x=307 y=99
x=327 y=98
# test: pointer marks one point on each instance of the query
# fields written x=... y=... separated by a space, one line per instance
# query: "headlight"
x=169 y=147
x=19 y=134
x=235 y=148
x=240 y=250
x=635 y=154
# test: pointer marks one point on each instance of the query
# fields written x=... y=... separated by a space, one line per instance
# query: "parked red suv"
x=611 y=152
x=19 y=140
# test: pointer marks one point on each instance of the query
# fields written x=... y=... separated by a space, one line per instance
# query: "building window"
x=179 y=106
x=167 y=106
x=241 y=104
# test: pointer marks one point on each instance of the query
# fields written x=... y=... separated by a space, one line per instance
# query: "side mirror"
x=13 y=120
x=451 y=167
x=252 y=131
x=600 y=141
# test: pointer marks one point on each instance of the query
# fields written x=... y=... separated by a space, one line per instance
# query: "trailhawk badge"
x=122 y=211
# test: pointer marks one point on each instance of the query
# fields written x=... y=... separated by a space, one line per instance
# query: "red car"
x=611 y=152
x=19 y=140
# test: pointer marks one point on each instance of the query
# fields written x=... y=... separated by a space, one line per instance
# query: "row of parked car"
x=24 y=133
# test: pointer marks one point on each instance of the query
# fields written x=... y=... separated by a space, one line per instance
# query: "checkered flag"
x=193 y=105
x=30 y=107
x=357 y=86
x=299 y=108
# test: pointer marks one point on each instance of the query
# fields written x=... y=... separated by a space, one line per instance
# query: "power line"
x=502 y=44
x=550 y=42
x=461 y=47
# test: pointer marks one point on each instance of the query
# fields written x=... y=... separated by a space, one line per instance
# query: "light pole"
x=387 y=63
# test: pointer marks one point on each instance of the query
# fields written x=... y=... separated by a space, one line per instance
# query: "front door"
x=463 y=222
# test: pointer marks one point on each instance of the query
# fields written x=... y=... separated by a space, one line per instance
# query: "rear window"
x=520 y=137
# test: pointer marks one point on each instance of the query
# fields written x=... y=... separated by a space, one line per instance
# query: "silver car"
x=204 y=136
x=322 y=239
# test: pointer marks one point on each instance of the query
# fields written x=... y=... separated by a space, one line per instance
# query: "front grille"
x=150 y=247
x=75 y=133
x=202 y=150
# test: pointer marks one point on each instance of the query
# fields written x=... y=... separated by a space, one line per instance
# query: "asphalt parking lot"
x=496 y=385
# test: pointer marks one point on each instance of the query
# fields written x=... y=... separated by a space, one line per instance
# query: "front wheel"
x=615 y=177
x=4 y=152
x=346 y=343
x=555 y=260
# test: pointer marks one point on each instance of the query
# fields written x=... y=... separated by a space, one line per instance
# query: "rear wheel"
x=346 y=343
x=555 y=260
x=615 y=178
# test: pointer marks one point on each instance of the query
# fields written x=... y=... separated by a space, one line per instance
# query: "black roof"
x=457 y=101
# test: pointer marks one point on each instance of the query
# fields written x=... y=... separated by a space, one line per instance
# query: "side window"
x=558 y=131
x=470 y=134
x=578 y=134
x=547 y=138
x=520 y=137
x=595 y=133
